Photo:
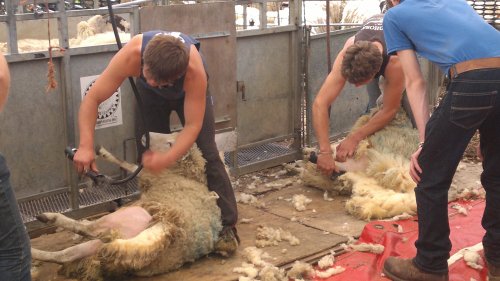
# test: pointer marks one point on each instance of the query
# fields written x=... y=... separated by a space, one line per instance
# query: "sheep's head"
x=98 y=23
x=121 y=23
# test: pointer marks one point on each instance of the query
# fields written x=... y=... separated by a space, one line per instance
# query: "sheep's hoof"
x=228 y=242
x=43 y=218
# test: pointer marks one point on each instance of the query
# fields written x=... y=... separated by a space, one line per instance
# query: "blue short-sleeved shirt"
x=443 y=31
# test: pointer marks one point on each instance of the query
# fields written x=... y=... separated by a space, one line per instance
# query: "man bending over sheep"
x=362 y=60
x=171 y=76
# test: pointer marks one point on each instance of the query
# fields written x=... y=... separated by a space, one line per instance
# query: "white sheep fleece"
x=378 y=180
x=185 y=226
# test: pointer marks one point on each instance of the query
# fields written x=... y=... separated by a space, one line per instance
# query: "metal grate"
x=60 y=202
x=247 y=156
x=89 y=196
x=95 y=195
x=489 y=10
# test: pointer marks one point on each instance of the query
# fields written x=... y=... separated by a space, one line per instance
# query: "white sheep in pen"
x=378 y=177
x=176 y=220
x=97 y=30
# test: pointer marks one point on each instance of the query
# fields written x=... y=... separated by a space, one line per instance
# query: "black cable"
x=136 y=94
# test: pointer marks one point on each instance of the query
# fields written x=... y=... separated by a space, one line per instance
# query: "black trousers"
x=156 y=114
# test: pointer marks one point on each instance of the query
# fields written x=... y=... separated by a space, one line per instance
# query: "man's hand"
x=84 y=160
x=154 y=161
x=346 y=149
x=326 y=164
x=415 y=169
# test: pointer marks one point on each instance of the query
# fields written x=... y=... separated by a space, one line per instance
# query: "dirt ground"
x=324 y=226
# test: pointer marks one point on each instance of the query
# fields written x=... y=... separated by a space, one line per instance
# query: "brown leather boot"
x=398 y=269
x=493 y=272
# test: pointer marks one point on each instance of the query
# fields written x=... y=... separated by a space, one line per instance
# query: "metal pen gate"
x=40 y=125
x=260 y=77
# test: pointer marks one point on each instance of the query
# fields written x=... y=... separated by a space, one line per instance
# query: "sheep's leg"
x=69 y=254
x=137 y=252
x=353 y=165
x=127 y=222
x=59 y=220
x=103 y=153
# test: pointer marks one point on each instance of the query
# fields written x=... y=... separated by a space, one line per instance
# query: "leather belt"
x=473 y=65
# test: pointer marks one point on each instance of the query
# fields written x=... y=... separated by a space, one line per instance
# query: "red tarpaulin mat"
x=466 y=231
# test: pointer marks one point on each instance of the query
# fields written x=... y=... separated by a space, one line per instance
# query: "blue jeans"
x=15 y=249
x=472 y=102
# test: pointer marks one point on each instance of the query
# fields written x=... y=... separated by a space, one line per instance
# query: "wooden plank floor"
x=329 y=216
x=321 y=227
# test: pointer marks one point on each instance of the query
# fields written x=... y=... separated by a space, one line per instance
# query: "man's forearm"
x=376 y=123
x=184 y=141
x=419 y=106
x=4 y=91
x=415 y=89
x=4 y=81
x=87 y=118
x=321 y=126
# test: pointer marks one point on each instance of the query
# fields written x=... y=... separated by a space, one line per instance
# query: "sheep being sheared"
x=378 y=177
x=176 y=220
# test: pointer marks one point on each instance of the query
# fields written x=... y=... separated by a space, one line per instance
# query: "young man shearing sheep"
x=171 y=76
x=362 y=60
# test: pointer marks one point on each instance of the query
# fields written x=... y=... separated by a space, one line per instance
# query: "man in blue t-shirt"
x=453 y=36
